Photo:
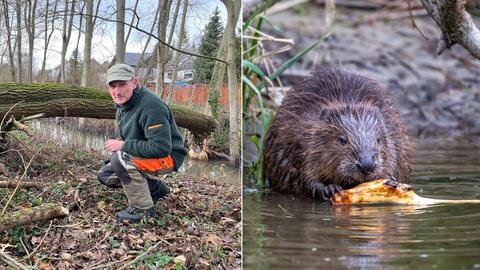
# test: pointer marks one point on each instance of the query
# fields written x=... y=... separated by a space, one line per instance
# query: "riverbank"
x=197 y=227
x=437 y=95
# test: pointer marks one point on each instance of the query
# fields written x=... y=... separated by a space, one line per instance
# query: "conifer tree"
x=212 y=35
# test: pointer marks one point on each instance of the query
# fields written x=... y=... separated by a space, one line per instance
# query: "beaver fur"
x=334 y=130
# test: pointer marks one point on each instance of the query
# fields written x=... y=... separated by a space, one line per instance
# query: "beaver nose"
x=366 y=164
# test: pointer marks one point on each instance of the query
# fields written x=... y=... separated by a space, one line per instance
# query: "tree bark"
x=57 y=100
x=11 y=59
x=19 y=41
x=30 y=215
x=456 y=24
x=120 y=36
x=87 y=51
x=30 y=25
x=233 y=12
x=162 y=50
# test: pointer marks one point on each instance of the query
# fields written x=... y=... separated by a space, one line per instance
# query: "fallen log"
x=30 y=215
x=10 y=184
x=60 y=100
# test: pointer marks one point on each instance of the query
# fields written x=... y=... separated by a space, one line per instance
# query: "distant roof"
x=133 y=59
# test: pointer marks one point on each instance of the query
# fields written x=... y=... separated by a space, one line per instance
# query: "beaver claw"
x=320 y=191
x=330 y=190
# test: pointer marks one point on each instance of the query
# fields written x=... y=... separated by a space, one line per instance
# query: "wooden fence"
x=196 y=94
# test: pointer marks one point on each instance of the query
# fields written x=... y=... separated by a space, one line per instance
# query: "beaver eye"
x=379 y=140
x=342 y=140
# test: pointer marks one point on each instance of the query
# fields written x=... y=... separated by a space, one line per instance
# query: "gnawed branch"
x=12 y=184
x=30 y=215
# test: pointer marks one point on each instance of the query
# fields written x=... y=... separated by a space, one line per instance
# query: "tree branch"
x=29 y=215
x=152 y=35
x=456 y=25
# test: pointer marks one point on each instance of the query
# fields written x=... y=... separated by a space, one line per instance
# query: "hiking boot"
x=158 y=189
x=134 y=214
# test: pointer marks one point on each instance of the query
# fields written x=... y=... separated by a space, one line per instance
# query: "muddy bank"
x=437 y=95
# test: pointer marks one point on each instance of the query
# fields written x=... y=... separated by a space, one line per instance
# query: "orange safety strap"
x=154 y=164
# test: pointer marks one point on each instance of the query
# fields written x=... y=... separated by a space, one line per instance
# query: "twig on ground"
x=104 y=266
x=41 y=241
x=19 y=180
x=4 y=257
x=141 y=255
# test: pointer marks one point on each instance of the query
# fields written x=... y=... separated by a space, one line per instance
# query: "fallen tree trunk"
x=30 y=215
x=59 y=100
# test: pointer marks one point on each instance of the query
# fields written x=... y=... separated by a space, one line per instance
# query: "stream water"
x=286 y=232
x=70 y=134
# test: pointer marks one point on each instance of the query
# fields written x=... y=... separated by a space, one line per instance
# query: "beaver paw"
x=330 y=190
x=320 y=191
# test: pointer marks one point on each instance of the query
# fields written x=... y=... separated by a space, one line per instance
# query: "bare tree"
x=18 y=8
x=178 y=54
x=48 y=35
x=174 y=22
x=66 y=34
x=162 y=49
x=11 y=59
x=30 y=25
x=134 y=12
x=142 y=57
x=120 y=36
x=169 y=41
x=87 y=52
x=80 y=26
x=233 y=13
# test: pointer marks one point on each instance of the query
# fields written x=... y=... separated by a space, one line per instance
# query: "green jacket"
x=147 y=127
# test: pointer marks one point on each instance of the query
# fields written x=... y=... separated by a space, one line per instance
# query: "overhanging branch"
x=456 y=25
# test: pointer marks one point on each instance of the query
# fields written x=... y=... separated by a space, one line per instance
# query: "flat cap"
x=120 y=72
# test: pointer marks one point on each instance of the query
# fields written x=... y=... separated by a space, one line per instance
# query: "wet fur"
x=313 y=143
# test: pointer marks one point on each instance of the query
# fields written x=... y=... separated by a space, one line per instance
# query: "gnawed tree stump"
x=59 y=100
x=30 y=215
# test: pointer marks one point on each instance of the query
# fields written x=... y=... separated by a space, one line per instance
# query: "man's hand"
x=113 y=145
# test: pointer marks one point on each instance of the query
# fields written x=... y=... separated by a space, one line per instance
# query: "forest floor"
x=198 y=225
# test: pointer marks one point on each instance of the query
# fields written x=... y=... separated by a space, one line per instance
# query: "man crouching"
x=150 y=144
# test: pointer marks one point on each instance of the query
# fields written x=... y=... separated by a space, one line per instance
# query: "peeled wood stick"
x=30 y=215
x=387 y=191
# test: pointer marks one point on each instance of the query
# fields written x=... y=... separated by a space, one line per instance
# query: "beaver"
x=333 y=131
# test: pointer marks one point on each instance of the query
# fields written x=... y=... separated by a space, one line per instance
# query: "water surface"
x=288 y=232
x=69 y=133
